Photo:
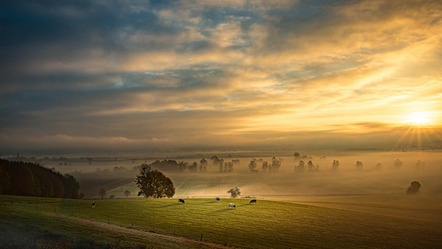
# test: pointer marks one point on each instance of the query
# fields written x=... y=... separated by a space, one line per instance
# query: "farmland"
x=268 y=224
x=344 y=208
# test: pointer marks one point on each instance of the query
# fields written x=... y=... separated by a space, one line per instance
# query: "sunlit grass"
x=268 y=224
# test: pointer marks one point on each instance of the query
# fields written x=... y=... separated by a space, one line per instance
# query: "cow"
x=217 y=198
x=252 y=201
x=181 y=201
x=93 y=204
x=232 y=205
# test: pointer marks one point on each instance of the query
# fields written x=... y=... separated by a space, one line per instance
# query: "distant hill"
x=30 y=179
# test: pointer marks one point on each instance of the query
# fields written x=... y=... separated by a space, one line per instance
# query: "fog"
x=377 y=176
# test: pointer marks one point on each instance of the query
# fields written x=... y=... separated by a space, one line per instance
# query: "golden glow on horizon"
x=418 y=118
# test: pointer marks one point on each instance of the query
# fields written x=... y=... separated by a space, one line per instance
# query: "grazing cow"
x=232 y=205
x=93 y=204
x=252 y=201
x=181 y=201
x=217 y=198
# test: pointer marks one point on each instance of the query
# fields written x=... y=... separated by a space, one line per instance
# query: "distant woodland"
x=29 y=179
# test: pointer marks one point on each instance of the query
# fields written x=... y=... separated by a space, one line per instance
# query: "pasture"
x=267 y=224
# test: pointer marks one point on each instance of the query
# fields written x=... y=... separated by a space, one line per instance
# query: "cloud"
x=199 y=72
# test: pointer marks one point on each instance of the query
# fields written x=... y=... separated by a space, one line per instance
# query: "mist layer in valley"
x=378 y=173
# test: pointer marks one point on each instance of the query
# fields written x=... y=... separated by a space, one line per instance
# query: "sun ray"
x=412 y=136
x=402 y=137
x=427 y=137
x=433 y=133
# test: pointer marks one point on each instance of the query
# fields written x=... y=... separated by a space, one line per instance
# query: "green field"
x=268 y=224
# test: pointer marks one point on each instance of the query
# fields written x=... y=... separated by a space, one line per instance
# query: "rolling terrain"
x=268 y=224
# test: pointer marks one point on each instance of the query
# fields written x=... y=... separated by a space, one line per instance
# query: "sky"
x=168 y=75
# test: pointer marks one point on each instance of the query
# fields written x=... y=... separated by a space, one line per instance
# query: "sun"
x=418 y=118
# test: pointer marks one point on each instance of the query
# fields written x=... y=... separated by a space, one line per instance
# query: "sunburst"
x=418 y=118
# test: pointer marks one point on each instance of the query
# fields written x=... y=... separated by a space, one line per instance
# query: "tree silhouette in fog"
x=228 y=167
x=413 y=188
x=252 y=166
x=193 y=167
x=126 y=193
x=359 y=165
x=335 y=165
x=265 y=166
x=276 y=163
x=203 y=165
x=310 y=166
x=300 y=167
x=234 y=192
x=378 y=166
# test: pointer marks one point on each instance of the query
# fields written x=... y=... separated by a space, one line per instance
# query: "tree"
x=296 y=154
x=193 y=167
x=300 y=167
x=228 y=167
x=102 y=193
x=310 y=166
x=71 y=186
x=30 y=179
x=413 y=188
x=183 y=165
x=359 y=165
x=126 y=193
x=378 y=166
x=335 y=165
x=252 y=166
x=153 y=183
x=5 y=182
x=203 y=163
x=276 y=163
x=234 y=192
x=221 y=165
x=265 y=166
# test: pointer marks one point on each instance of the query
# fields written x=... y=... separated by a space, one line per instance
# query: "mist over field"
x=378 y=176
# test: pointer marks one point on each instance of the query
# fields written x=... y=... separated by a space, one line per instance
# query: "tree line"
x=30 y=179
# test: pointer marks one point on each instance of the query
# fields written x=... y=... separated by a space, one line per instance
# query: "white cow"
x=232 y=205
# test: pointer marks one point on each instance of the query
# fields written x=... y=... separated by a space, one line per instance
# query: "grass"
x=268 y=224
